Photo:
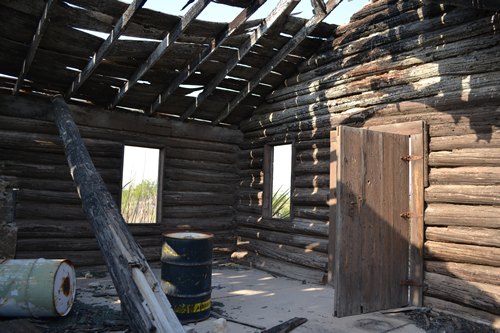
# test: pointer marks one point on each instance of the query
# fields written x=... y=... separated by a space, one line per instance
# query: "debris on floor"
x=244 y=301
x=437 y=322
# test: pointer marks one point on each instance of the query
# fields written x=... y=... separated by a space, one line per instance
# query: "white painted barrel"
x=36 y=287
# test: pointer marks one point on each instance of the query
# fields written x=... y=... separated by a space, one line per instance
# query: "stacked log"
x=199 y=180
x=397 y=61
x=8 y=228
x=300 y=245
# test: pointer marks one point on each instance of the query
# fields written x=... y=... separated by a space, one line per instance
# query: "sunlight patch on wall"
x=466 y=88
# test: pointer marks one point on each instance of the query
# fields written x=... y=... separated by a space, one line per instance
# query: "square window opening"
x=140 y=183
x=281 y=184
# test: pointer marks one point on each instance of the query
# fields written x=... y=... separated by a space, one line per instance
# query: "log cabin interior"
x=390 y=124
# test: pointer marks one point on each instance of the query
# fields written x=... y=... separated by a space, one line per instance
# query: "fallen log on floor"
x=142 y=298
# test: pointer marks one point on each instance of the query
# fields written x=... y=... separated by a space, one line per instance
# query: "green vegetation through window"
x=281 y=187
x=140 y=180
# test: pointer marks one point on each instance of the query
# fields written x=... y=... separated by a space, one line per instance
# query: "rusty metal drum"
x=36 y=287
x=186 y=274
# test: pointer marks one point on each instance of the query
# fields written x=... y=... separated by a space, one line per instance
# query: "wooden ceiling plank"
x=280 y=56
x=105 y=47
x=213 y=45
x=37 y=37
x=161 y=49
x=284 y=7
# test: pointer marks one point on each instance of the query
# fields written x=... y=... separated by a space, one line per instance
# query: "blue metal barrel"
x=186 y=273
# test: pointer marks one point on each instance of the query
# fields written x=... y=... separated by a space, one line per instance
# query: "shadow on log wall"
x=396 y=61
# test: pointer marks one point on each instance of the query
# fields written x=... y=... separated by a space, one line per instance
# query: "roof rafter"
x=160 y=50
x=284 y=7
x=280 y=56
x=37 y=37
x=213 y=45
x=105 y=47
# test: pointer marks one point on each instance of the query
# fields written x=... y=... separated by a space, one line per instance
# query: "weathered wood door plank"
x=372 y=233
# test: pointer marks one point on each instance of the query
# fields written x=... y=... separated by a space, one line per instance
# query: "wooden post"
x=139 y=290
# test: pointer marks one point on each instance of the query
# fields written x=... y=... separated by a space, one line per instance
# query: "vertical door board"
x=417 y=220
x=347 y=258
x=332 y=202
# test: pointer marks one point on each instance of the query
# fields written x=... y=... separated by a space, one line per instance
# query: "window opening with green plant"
x=281 y=186
x=139 y=202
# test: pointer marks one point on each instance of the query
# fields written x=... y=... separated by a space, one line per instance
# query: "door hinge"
x=408 y=158
x=410 y=283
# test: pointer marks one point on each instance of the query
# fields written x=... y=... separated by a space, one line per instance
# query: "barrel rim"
x=172 y=235
x=73 y=282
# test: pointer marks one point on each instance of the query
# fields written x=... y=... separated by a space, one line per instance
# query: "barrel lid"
x=64 y=287
x=188 y=235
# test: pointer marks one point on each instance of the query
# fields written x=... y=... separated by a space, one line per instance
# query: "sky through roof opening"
x=215 y=12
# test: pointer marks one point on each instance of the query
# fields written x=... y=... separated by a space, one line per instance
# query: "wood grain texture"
x=479 y=216
x=469 y=313
x=121 y=252
x=463 y=194
x=332 y=202
x=464 y=235
x=465 y=157
x=481 y=296
x=462 y=253
x=467 y=272
x=307 y=258
x=281 y=268
x=373 y=239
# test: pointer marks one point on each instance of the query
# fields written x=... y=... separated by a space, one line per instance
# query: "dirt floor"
x=247 y=301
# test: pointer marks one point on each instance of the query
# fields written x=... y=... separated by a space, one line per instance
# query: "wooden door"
x=372 y=235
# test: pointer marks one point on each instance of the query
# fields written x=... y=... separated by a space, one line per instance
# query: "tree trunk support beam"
x=138 y=288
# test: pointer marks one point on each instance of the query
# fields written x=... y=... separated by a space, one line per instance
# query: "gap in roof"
x=104 y=35
x=342 y=14
x=215 y=12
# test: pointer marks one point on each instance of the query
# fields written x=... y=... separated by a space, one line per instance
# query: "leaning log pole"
x=139 y=290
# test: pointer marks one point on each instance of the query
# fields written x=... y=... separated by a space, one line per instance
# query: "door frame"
x=417 y=160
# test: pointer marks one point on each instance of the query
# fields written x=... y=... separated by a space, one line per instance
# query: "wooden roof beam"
x=160 y=50
x=280 y=56
x=493 y=5
x=37 y=37
x=213 y=45
x=105 y=47
x=284 y=7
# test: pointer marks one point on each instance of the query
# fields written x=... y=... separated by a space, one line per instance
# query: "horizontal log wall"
x=396 y=61
x=199 y=180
